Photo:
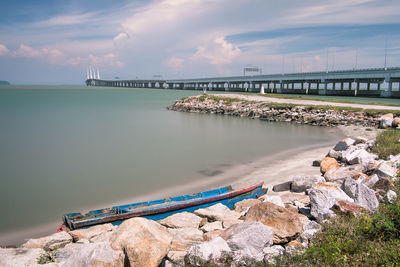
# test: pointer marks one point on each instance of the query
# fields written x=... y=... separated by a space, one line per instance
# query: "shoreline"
x=237 y=175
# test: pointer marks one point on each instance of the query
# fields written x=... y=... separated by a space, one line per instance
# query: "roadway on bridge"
x=305 y=102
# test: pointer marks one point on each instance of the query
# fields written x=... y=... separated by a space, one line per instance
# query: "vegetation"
x=387 y=143
x=321 y=99
x=368 y=240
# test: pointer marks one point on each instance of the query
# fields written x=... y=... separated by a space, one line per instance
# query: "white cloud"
x=62 y=20
x=175 y=63
x=217 y=52
x=3 y=50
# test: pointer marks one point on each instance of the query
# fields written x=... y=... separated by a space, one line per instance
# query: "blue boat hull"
x=162 y=208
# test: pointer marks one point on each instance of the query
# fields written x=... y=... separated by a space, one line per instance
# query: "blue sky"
x=53 y=42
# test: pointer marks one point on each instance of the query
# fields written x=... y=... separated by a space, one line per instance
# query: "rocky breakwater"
x=353 y=181
x=312 y=115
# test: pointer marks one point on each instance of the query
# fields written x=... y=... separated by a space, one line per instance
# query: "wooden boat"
x=162 y=208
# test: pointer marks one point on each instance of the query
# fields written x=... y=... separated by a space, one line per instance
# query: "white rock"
x=218 y=212
x=384 y=170
x=54 y=241
x=371 y=180
x=395 y=160
x=92 y=232
x=11 y=257
x=215 y=250
x=182 y=220
x=385 y=123
x=277 y=200
x=208 y=227
x=390 y=196
x=360 y=156
x=248 y=239
x=95 y=254
x=334 y=154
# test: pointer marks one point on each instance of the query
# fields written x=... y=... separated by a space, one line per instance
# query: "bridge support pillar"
x=323 y=91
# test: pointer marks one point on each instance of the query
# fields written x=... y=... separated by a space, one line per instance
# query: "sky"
x=54 y=42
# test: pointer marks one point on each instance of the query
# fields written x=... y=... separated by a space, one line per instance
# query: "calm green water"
x=68 y=148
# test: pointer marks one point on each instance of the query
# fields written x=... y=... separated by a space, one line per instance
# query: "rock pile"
x=299 y=114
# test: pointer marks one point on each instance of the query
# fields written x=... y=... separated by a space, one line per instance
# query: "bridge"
x=377 y=82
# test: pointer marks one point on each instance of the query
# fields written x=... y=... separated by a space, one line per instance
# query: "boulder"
x=303 y=183
x=10 y=257
x=334 y=154
x=293 y=248
x=360 y=156
x=184 y=238
x=390 y=196
x=212 y=252
x=328 y=163
x=384 y=170
x=145 y=242
x=64 y=253
x=229 y=223
x=316 y=163
x=218 y=212
x=396 y=122
x=344 y=144
x=388 y=115
x=310 y=230
x=182 y=220
x=208 y=227
x=52 y=242
x=271 y=252
x=244 y=205
x=248 y=239
x=286 y=223
x=95 y=254
x=282 y=187
x=395 y=160
x=370 y=180
x=92 y=232
x=338 y=175
x=322 y=197
x=360 y=140
x=277 y=200
x=385 y=123
x=212 y=234
x=104 y=237
x=349 y=186
x=343 y=207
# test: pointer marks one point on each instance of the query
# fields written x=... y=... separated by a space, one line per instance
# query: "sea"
x=74 y=148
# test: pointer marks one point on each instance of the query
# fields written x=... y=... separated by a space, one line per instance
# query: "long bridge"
x=377 y=82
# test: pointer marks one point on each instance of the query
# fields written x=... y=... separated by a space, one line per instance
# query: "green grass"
x=323 y=100
x=387 y=143
x=372 y=239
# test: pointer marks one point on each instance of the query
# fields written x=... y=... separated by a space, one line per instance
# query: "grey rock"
x=282 y=187
x=64 y=253
x=338 y=175
x=390 y=196
x=371 y=180
x=92 y=232
x=322 y=197
x=248 y=239
x=384 y=170
x=277 y=200
x=349 y=186
x=395 y=160
x=385 y=123
x=11 y=257
x=365 y=197
x=303 y=183
x=344 y=144
x=95 y=254
x=360 y=140
x=334 y=154
x=214 y=251
x=54 y=241
x=271 y=252
x=360 y=156
x=293 y=248
x=316 y=163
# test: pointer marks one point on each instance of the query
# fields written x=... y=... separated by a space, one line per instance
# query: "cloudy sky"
x=53 y=42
